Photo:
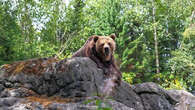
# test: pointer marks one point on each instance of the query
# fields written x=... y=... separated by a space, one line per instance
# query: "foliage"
x=183 y=61
x=128 y=77
x=101 y=104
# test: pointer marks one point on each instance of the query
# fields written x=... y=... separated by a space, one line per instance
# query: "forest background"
x=155 y=38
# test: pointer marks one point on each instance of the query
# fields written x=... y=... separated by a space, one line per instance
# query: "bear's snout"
x=107 y=50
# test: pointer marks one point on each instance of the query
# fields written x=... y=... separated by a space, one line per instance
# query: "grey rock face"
x=74 y=84
x=126 y=95
x=186 y=101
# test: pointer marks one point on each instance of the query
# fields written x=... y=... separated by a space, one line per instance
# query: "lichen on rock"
x=49 y=83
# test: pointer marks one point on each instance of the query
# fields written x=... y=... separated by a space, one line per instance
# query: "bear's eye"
x=109 y=44
x=102 y=45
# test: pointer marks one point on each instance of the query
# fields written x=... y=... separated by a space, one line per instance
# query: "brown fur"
x=93 y=48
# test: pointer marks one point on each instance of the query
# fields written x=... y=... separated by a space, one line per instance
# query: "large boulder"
x=74 y=84
x=186 y=101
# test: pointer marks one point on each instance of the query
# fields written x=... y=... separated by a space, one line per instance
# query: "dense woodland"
x=155 y=38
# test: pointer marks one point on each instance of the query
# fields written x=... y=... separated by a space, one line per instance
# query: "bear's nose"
x=106 y=49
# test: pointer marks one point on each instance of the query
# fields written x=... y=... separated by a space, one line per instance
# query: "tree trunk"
x=155 y=37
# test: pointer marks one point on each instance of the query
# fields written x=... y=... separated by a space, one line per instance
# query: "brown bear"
x=101 y=50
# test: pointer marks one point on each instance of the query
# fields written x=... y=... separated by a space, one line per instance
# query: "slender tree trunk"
x=155 y=37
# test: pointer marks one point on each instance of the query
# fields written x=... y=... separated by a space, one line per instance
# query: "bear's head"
x=105 y=46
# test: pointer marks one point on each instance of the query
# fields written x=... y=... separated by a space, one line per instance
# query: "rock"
x=186 y=101
x=193 y=92
x=126 y=95
x=1 y=88
x=74 y=84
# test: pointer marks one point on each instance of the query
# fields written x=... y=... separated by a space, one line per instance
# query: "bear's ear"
x=113 y=36
x=95 y=38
